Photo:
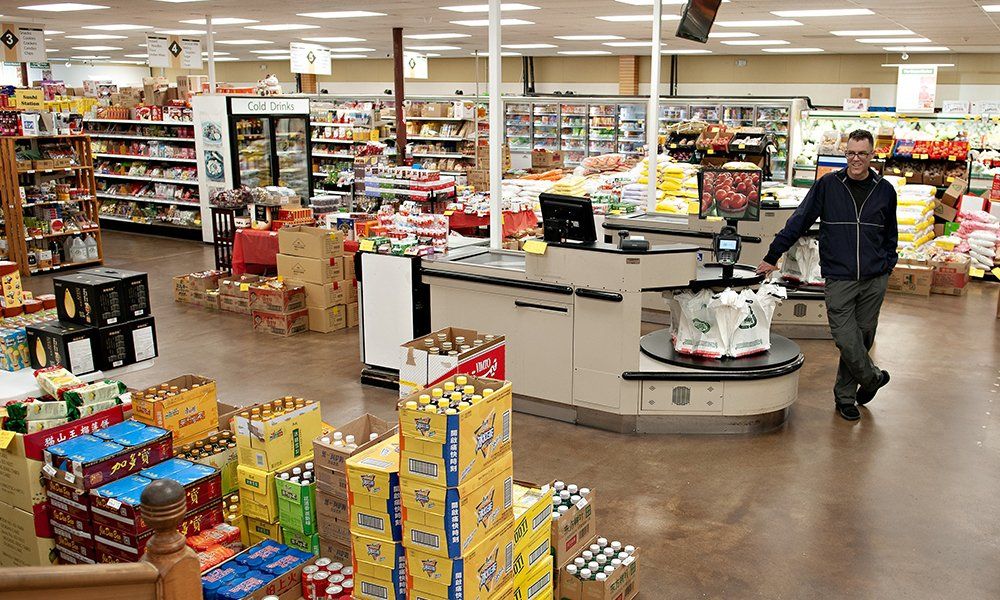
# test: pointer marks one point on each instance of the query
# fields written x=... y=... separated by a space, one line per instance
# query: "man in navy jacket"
x=857 y=247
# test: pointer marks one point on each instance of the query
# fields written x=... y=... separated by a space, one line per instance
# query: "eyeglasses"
x=851 y=155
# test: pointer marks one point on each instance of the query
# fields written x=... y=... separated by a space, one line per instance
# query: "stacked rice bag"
x=915 y=215
x=980 y=235
x=66 y=398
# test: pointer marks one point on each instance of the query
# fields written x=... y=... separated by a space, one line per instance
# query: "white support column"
x=211 y=54
x=653 y=110
x=496 y=128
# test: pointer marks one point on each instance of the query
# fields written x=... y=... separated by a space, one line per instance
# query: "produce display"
x=730 y=193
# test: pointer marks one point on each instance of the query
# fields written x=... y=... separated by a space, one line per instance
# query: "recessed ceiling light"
x=342 y=14
x=584 y=52
x=752 y=24
x=52 y=32
x=425 y=48
x=244 y=42
x=51 y=50
x=275 y=57
x=871 y=32
x=890 y=40
x=97 y=36
x=436 y=36
x=90 y=57
x=485 y=54
x=823 y=12
x=686 y=51
x=62 y=7
x=97 y=48
x=352 y=50
x=991 y=7
x=734 y=34
x=588 y=38
x=281 y=27
x=474 y=8
x=334 y=40
x=136 y=56
x=918 y=64
x=528 y=46
x=118 y=27
x=347 y=56
x=755 y=43
x=637 y=18
x=226 y=59
x=275 y=51
x=793 y=50
x=432 y=55
x=220 y=21
x=486 y=22
x=629 y=44
x=916 y=49
x=179 y=31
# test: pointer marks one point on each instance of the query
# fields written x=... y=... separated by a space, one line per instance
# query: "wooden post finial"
x=164 y=503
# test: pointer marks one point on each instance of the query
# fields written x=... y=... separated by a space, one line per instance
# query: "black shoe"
x=849 y=412
x=866 y=396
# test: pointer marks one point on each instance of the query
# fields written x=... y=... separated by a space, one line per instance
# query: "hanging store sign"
x=269 y=106
x=173 y=52
x=856 y=104
x=22 y=43
x=310 y=59
x=190 y=57
x=414 y=65
x=916 y=88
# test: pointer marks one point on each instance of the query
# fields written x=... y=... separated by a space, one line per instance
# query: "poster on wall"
x=414 y=65
x=916 y=88
x=22 y=43
x=310 y=59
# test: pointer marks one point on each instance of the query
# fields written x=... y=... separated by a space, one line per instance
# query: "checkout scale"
x=572 y=313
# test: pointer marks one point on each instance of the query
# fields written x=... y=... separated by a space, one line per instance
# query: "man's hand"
x=765 y=268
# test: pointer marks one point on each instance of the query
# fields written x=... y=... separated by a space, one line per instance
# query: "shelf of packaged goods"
x=154 y=224
x=377 y=192
x=147 y=199
x=122 y=136
x=520 y=114
x=351 y=125
x=439 y=138
x=45 y=236
x=333 y=141
x=144 y=178
x=66 y=266
x=62 y=170
x=441 y=155
x=139 y=157
x=574 y=137
x=414 y=183
x=333 y=155
x=141 y=122
x=46 y=202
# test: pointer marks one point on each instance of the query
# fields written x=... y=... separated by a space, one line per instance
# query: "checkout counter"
x=576 y=351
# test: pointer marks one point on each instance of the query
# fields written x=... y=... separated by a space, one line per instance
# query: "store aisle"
x=820 y=508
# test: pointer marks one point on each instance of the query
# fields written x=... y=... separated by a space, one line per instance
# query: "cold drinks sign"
x=270 y=106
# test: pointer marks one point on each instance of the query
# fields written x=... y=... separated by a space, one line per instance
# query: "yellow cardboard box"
x=536 y=584
x=258 y=495
x=447 y=450
x=375 y=551
x=311 y=270
x=279 y=442
x=534 y=551
x=375 y=471
x=367 y=587
x=532 y=513
x=261 y=530
x=21 y=546
x=479 y=574
x=504 y=592
x=452 y=520
x=189 y=415
x=377 y=523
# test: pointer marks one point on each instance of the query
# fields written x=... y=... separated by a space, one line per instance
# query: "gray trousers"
x=852 y=308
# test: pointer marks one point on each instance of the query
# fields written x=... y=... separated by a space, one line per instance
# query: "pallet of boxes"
x=313 y=259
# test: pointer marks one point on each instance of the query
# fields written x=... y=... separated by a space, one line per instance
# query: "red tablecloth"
x=255 y=251
x=512 y=222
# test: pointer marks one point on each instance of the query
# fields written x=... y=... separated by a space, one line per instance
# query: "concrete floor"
x=903 y=504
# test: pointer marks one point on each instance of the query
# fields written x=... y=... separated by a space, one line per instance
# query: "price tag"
x=743 y=146
x=244 y=287
x=950 y=180
x=6 y=437
x=974 y=272
x=448 y=213
x=535 y=247
x=996 y=272
x=114 y=503
x=70 y=478
x=908 y=174
x=673 y=146
x=693 y=207
x=710 y=151
x=952 y=158
x=49 y=470
x=582 y=504
x=366 y=246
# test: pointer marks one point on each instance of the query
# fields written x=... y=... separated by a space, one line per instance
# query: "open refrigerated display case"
x=545 y=126
x=517 y=125
x=573 y=133
x=632 y=129
x=603 y=128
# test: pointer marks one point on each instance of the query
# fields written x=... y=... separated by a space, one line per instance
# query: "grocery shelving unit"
x=148 y=176
x=54 y=220
x=337 y=130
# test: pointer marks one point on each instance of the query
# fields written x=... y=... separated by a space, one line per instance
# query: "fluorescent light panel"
x=346 y=56
x=637 y=18
x=764 y=23
x=588 y=38
x=97 y=48
x=916 y=49
x=96 y=36
x=244 y=42
x=334 y=40
x=485 y=54
x=62 y=7
x=584 y=52
x=52 y=32
x=118 y=27
x=871 y=32
x=686 y=51
x=221 y=21
x=428 y=48
x=226 y=59
x=486 y=22
x=755 y=42
x=351 y=50
x=648 y=44
x=793 y=50
x=342 y=14
x=889 y=40
x=823 y=12
x=216 y=53
x=136 y=56
x=732 y=35
x=663 y=2
x=90 y=57
x=528 y=46
x=481 y=8
x=180 y=31
x=991 y=7
x=281 y=27
x=435 y=36
x=275 y=51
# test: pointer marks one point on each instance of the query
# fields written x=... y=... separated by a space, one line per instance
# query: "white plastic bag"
x=696 y=330
x=801 y=263
x=753 y=334
x=730 y=309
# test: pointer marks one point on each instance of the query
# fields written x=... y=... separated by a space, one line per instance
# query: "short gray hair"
x=862 y=134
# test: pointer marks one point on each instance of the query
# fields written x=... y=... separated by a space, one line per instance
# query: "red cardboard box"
x=128 y=546
x=419 y=369
x=88 y=475
x=127 y=517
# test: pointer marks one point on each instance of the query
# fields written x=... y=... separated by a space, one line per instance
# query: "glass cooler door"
x=290 y=149
x=253 y=151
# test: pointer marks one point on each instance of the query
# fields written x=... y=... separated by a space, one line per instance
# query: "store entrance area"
x=900 y=505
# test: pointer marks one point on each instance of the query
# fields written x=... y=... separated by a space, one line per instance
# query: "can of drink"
x=334 y=592
x=335 y=567
x=308 y=589
x=347 y=572
x=317 y=584
x=348 y=586
x=323 y=563
x=336 y=578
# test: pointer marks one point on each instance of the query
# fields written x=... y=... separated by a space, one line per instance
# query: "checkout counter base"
x=796 y=331
x=711 y=424
x=380 y=377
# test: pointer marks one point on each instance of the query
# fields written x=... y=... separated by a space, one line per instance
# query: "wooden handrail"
x=26 y=579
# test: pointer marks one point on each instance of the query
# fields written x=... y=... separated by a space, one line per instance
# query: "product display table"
x=18 y=385
x=255 y=251
x=512 y=222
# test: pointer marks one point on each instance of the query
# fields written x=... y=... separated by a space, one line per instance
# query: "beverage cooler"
x=253 y=141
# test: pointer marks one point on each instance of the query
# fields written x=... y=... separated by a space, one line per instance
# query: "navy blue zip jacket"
x=854 y=244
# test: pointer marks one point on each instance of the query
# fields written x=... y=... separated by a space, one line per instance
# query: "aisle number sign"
x=916 y=88
x=310 y=59
x=173 y=52
x=22 y=43
x=414 y=65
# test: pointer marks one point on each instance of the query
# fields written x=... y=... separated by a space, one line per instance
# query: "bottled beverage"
x=572 y=488
x=601 y=577
x=585 y=573
x=587 y=555
x=595 y=549
x=602 y=542
x=609 y=569
x=579 y=562
x=296 y=471
x=449 y=386
x=558 y=486
x=629 y=550
x=461 y=380
x=372 y=436
x=571 y=569
x=601 y=559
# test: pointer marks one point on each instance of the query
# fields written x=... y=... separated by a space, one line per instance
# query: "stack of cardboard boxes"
x=234 y=293
x=457 y=485
x=533 y=560
x=269 y=438
x=313 y=259
x=187 y=406
x=278 y=307
x=330 y=454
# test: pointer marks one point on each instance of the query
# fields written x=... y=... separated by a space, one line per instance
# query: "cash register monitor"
x=567 y=219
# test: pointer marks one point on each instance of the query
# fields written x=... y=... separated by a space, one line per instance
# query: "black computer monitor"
x=697 y=19
x=733 y=194
x=567 y=219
